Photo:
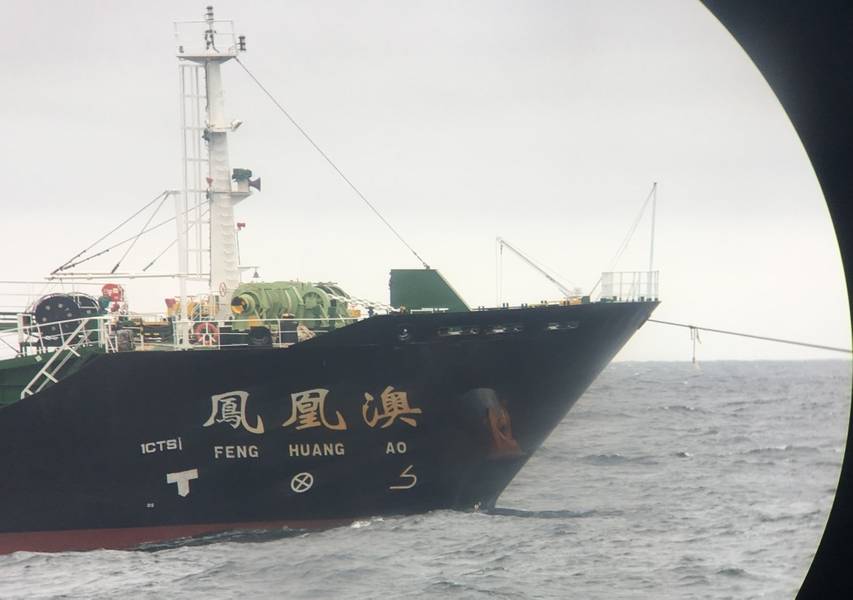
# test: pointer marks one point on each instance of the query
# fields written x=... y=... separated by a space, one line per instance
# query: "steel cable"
x=331 y=163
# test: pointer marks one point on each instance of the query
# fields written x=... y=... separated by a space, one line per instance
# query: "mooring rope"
x=694 y=329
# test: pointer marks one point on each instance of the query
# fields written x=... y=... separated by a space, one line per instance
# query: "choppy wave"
x=683 y=408
x=551 y=514
x=732 y=572
x=785 y=448
x=236 y=535
x=617 y=459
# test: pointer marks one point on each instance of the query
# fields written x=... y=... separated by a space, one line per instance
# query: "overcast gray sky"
x=542 y=122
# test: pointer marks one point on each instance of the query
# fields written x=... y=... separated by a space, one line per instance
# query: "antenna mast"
x=203 y=46
x=650 y=289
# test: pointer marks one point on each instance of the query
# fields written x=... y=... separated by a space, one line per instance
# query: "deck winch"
x=312 y=305
x=57 y=315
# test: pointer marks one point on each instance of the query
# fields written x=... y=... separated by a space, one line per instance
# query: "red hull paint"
x=130 y=537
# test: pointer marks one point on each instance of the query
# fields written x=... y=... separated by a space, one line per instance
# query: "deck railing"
x=111 y=336
x=236 y=333
x=22 y=335
x=29 y=335
x=629 y=286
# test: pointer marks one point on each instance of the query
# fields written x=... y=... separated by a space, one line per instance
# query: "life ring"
x=206 y=333
x=113 y=291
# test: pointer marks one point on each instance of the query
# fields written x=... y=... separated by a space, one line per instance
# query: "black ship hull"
x=395 y=414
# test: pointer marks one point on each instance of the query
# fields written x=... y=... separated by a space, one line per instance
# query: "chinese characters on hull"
x=308 y=410
x=230 y=408
x=394 y=404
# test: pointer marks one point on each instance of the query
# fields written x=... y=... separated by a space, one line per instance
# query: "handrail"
x=234 y=333
x=32 y=335
x=151 y=331
x=78 y=338
x=629 y=286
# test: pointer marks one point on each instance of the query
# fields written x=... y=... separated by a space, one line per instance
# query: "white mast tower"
x=208 y=198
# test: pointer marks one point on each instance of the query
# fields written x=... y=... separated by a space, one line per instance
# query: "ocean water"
x=664 y=481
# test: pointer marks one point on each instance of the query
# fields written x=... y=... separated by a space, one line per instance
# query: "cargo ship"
x=263 y=405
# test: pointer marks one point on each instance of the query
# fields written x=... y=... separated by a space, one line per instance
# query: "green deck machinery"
x=315 y=305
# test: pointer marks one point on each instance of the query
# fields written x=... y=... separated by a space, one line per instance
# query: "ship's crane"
x=502 y=243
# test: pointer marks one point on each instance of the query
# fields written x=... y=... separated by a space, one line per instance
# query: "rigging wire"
x=173 y=242
x=530 y=261
x=159 y=256
x=331 y=163
x=68 y=264
x=123 y=242
x=545 y=267
x=90 y=257
x=141 y=231
x=694 y=331
x=631 y=231
x=624 y=245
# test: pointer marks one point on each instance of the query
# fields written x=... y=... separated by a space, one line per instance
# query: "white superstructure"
x=207 y=234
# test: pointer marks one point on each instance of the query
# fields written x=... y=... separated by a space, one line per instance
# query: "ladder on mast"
x=193 y=218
